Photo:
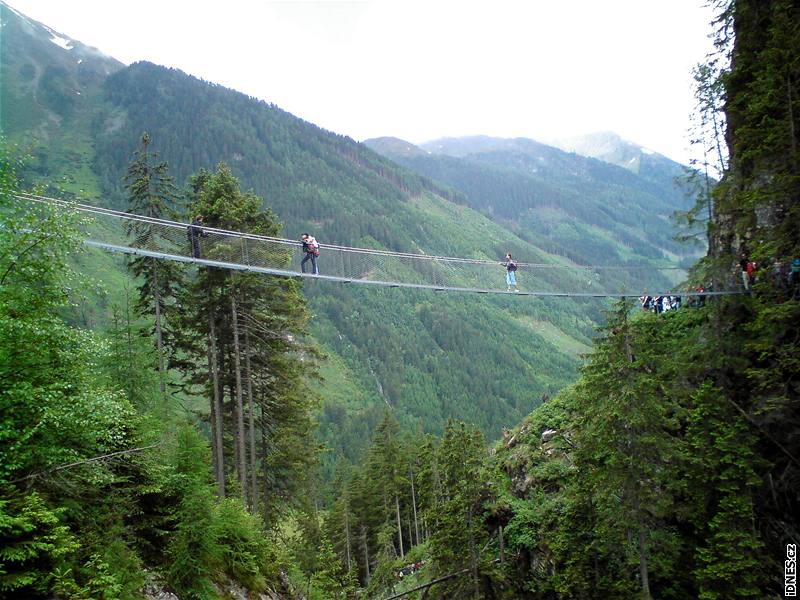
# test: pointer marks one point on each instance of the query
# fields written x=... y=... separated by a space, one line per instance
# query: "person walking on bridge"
x=195 y=231
x=311 y=249
x=511 y=272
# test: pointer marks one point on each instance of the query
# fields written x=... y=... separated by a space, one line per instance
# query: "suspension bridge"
x=137 y=235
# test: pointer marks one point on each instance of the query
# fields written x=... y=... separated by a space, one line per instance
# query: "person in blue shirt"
x=511 y=272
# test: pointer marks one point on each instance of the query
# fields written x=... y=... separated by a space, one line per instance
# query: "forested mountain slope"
x=50 y=87
x=586 y=209
x=429 y=356
x=401 y=349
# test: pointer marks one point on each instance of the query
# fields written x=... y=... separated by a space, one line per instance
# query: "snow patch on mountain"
x=60 y=41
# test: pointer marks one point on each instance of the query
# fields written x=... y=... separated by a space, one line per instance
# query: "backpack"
x=512 y=266
x=311 y=246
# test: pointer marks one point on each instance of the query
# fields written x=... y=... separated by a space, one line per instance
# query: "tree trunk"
x=792 y=136
x=129 y=335
x=347 y=531
x=366 y=551
x=216 y=410
x=239 y=406
x=251 y=425
x=399 y=526
x=502 y=544
x=643 y=566
x=473 y=558
x=159 y=334
x=264 y=465
x=414 y=503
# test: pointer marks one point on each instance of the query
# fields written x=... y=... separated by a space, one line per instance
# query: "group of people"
x=410 y=569
x=660 y=304
x=748 y=268
x=785 y=275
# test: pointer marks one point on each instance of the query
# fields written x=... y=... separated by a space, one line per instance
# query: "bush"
x=33 y=543
x=242 y=543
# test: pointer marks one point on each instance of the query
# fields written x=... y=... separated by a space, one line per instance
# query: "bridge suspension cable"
x=126 y=233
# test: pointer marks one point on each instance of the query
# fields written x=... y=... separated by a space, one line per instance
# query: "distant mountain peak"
x=608 y=147
x=476 y=144
x=23 y=29
x=388 y=145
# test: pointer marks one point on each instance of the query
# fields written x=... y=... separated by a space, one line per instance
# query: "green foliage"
x=331 y=578
x=643 y=464
x=723 y=465
x=210 y=538
x=80 y=516
x=33 y=545
x=243 y=545
x=458 y=530
x=193 y=555
x=273 y=362
x=101 y=583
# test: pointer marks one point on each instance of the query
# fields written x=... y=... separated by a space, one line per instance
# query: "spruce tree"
x=628 y=436
x=257 y=362
x=152 y=193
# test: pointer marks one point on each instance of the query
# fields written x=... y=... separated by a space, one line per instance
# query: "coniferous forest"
x=175 y=431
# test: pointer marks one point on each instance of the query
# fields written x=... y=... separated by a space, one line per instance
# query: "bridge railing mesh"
x=109 y=228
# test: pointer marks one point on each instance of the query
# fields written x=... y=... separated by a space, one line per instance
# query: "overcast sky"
x=419 y=70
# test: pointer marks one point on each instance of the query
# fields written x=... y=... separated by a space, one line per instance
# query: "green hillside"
x=48 y=99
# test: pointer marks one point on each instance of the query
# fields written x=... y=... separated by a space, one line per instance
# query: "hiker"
x=666 y=303
x=195 y=232
x=794 y=279
x=743 y=262
x=780 y=278
x=511 y=272
x=311 y=249
x=700 y=298
x=751 y=272
x=646 y=301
